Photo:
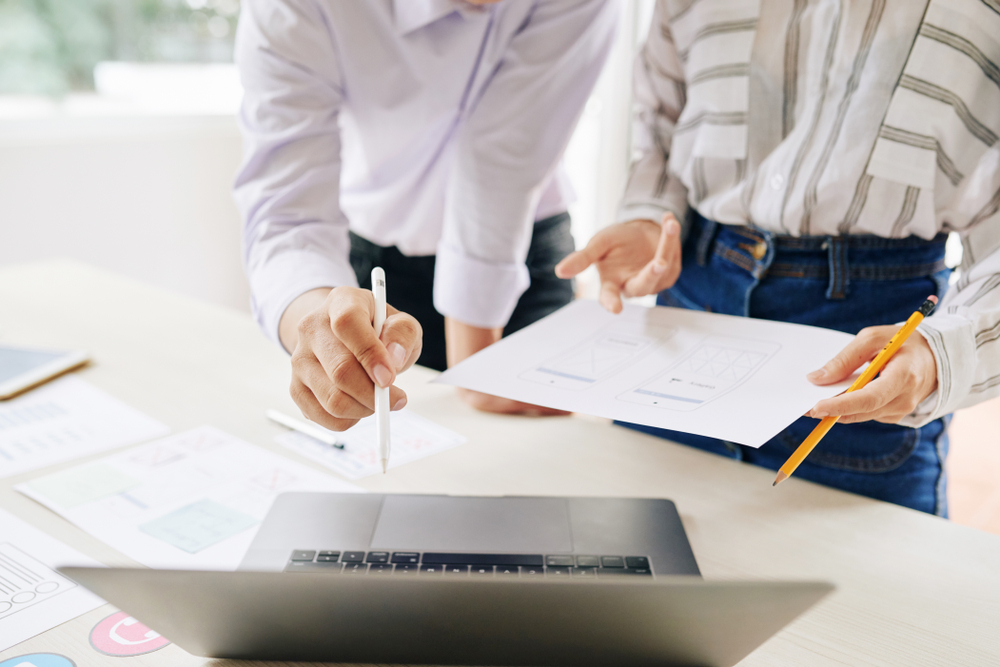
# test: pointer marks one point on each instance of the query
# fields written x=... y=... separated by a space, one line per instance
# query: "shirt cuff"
x=286 y=276
x=478 y=293
x=953 y=343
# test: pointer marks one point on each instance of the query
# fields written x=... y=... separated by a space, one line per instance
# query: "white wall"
x=145 y=196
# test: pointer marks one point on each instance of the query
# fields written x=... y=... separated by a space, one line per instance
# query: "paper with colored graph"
x=413 y=437
x=734 y=378
x=33 y=596
x=191 y=501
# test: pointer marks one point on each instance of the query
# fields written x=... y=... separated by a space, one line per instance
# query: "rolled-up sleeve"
x=659 y=93
x=295 y=236
x=508 y=146
x=964 y=333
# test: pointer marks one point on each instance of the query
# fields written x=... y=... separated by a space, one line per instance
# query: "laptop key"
x=327 y=559
x=482 y=559
x=588 y=561
x=481 y=570
x=326 y=568
x=457 y=570
x=405 y=568
x=640 y=571
x=557 y=572
x=329 y=553
x=559 y=561
x=380 y=568
x=405 y=557
x=431 y=569
x=529 y=571
x=612 y=561
x=353 y=557
x=303 y=555
x=636 y=561
x=377 y=557
x=355 y=568
x=508 y=570
x=585 y=572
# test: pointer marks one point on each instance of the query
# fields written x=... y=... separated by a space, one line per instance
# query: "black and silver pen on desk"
x=315 y=431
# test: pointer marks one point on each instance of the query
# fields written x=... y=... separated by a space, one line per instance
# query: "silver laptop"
x=445 y=580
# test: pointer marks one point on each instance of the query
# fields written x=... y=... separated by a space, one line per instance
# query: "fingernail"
x=400 y=404
x=673 y=227
x=382 y=376
x=658 y=267
x=398 y=354
x=816 y=376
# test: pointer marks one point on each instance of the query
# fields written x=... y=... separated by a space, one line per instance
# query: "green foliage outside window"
x=50 y=47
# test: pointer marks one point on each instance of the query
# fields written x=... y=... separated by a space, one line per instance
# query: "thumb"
x=863 y=348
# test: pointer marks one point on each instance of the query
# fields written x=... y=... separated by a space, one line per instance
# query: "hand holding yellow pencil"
x=870 y=373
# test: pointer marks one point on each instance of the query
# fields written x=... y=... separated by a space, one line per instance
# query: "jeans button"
x=759 y=250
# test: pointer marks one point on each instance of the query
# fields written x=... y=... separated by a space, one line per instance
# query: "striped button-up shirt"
x=833 y=117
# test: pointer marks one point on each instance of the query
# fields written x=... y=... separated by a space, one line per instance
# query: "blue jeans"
x=843 y=283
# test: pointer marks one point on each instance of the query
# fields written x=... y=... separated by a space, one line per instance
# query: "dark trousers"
x=410 y=282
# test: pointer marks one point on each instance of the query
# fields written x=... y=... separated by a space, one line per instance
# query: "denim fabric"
x=844 y=283
x=410 y=283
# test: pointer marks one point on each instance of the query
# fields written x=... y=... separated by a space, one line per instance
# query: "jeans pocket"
x=869 y=447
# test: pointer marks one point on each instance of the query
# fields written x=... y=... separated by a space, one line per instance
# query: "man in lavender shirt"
x=420 y=135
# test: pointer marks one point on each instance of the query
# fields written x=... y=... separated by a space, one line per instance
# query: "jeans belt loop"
x=705 y=239
x=839 y=286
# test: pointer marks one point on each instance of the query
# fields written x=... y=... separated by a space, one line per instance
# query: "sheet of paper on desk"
x=33 y=596
x=733 y=378
x=190 y=501
x=413 y=437
x=66 y=419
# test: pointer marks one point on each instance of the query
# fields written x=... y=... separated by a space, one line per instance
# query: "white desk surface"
x=912 y=589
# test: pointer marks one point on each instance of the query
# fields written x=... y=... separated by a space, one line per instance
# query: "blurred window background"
x=51 y=47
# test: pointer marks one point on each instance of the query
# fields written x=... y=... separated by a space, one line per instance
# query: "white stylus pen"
x=381 y=395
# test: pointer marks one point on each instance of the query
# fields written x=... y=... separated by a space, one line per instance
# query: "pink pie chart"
x=121 y=635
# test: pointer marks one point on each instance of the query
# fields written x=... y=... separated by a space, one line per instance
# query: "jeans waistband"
x=837 y=259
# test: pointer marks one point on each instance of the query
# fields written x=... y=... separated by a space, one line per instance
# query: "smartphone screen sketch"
x=713 y=367
x=600 y=356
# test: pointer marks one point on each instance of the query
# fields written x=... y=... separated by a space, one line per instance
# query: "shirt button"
x=777 y=181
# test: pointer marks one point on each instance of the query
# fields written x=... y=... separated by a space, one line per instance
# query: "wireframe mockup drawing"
x=713 y=367
x=25 y=581
x=599 y=356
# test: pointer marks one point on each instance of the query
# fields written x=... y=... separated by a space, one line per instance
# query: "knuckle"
x=338 y=404
x=341 y=372
x=369 y=356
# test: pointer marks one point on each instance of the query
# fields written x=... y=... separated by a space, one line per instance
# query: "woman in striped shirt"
x=804 y=161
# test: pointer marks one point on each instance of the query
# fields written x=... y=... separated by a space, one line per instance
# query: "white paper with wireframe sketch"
x=734 y=378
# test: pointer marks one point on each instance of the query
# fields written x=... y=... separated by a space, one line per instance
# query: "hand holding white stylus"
x=381 y=394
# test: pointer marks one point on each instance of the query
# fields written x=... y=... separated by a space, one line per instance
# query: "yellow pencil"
x=874 y=368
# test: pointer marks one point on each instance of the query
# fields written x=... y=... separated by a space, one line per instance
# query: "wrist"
x=464 y=340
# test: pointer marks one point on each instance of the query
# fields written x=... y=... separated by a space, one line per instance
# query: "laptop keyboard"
x=466 y=565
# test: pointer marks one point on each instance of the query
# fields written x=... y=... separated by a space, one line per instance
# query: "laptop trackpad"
x=485 y=525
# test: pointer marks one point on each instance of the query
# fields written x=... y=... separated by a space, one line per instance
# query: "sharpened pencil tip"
x=781 y=477
x=774 y=483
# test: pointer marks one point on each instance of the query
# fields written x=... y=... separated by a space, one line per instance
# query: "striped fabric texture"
x=836 y=117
